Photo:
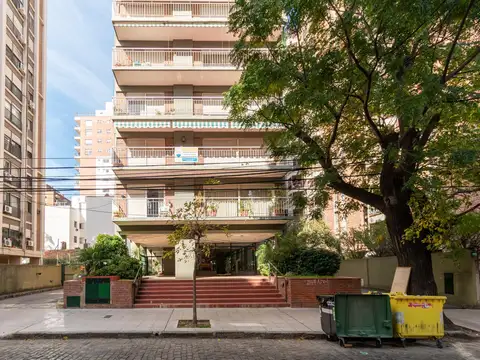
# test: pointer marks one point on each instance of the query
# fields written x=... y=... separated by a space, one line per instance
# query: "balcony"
x=199 y=20
x=166 y=66
x=171 y=160
x=168 y=107
x=216 y=208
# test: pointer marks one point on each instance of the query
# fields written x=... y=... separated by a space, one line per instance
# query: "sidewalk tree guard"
x=190 y=224
x=379 y=100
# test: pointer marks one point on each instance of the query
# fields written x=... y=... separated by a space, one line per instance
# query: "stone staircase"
x=211 y=292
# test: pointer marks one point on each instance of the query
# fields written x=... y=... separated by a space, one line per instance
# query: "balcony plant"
x=245 y=208
x=212 y=208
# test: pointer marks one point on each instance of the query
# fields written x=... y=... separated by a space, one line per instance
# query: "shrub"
x=124 y=266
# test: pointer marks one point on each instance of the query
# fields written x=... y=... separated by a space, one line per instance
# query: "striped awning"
x=142 y=124
x=201 y=124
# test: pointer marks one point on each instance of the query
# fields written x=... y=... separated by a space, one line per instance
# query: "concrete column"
x=184 y=259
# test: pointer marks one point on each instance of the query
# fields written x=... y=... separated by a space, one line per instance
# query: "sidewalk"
x=237 y=322
x=466 y=318
x=263 y=322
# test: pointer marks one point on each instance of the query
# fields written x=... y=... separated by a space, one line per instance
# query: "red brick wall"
x=73 y=288
x=303 y=292
x=121 y=293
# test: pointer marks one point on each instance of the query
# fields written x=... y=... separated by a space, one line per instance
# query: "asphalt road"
x=214 y=349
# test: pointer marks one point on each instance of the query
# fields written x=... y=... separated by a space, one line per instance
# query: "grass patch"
x=201 y=324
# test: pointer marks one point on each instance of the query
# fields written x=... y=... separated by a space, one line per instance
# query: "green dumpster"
x=363 y=317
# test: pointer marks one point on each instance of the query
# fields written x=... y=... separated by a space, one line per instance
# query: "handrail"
x=279 y=273
x=138 y=272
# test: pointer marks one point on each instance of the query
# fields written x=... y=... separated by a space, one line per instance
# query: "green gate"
x=97 y=291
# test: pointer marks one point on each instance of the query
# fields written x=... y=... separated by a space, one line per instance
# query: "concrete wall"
x=18 y=278
x=98 y=218
x=378 y=273
x=57 y=229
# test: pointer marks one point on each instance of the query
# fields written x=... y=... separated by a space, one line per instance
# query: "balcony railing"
x=170 y=106
x=166 y=58
x=175 y=10
x=14 y=30
x=215 y=207
x=13 y=88
x=148 y=156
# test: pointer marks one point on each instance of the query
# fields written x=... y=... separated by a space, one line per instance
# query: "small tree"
x=191 y=224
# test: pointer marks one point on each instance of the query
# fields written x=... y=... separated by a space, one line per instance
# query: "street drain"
x=107 y=316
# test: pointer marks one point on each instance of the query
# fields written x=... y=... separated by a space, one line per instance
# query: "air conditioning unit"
x=20 y=67
x=31 y=104
x=7 y=176
x=7 y=242
x=29 y=243
x=7 y=209
x=22 y=40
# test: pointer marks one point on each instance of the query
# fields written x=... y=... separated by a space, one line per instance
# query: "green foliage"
x=109 y=257
x=373 y=241
x=381 y=95
x=306 y=248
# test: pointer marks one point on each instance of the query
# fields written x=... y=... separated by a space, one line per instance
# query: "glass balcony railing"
x=214 y=207
x=174 y=10
x=170 y=106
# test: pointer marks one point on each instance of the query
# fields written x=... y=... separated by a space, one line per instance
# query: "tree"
x=109 y=256
x=191 y=224
x=379 y=97
x=370 y=241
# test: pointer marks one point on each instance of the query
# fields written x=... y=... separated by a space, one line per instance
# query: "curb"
x=168 y=334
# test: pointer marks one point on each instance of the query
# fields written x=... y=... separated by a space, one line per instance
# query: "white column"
x=184 y=259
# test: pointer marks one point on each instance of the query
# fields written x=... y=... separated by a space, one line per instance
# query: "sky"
x=79 y=74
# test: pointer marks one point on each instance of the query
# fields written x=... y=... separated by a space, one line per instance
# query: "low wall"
x=122 y=293
x=19 y=278
x=303 y=292
x=378 y=273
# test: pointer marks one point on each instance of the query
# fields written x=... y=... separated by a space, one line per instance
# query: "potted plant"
x=245 y=208
x=212 y=209
x=118 y=214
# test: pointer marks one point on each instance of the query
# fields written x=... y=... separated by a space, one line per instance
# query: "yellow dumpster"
x=418 y=317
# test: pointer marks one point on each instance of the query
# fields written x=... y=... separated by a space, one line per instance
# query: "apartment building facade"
x=171 y=66
x=53 y=197
x=95 y=138
x=22 y=122
x=75 y=225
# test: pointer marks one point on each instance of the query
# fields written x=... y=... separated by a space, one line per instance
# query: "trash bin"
x=327 y=315
x=363 y=317
x=418 y=317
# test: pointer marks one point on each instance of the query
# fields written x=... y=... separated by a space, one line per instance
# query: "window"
x=99 y=141
x=75 y=224
x=88 y=152
x=109 y=140
x=12 y=147
x=109 y=131
x=88 y=132
x=81 y=240
x=81 y=226
x=109 y=150
x=29 y=207
x=449 y=283
x=88 y=142
x=13 y=114
x=88 y=123
x=75 y=239
x=99 y=131
x=99 y=150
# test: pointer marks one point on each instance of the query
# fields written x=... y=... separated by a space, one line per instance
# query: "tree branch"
x=337 y=116
x=474 y=207
x=432 y=124
x=467 y=61
x=455 y=40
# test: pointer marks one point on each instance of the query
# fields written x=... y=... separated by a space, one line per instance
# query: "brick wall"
x=73 y=288
x=121 y=293
x=303 y=292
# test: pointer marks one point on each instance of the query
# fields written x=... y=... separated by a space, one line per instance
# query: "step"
x=208 y=296
x=189 y=282
x=212 y=305
x=258 y=292
x=228 y=286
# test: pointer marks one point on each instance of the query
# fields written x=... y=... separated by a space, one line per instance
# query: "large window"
x=13 y=83
x=88 y=141
x=12 y=147
x=13 y=114
x=13 y=201
x=13 y=235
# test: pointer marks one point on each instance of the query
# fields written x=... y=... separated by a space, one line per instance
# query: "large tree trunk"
x=411 y=253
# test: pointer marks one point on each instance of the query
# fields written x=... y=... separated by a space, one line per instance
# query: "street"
x=214 y=349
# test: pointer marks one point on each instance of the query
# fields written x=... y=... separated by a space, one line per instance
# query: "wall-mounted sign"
x=186 y=154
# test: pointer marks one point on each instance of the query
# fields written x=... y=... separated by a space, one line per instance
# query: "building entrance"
x=229 y=259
